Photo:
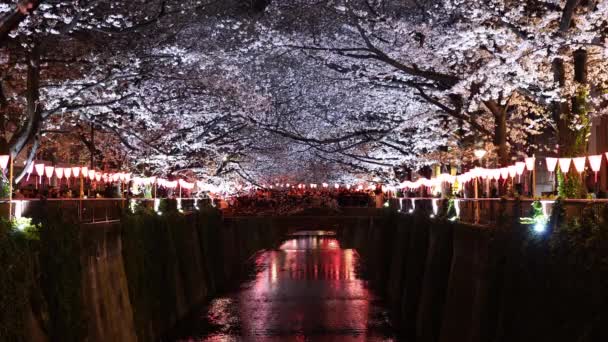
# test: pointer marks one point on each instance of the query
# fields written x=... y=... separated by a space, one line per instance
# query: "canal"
x=309 y=289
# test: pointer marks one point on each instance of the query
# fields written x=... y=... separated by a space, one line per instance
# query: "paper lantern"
x=530 y=163
x=504 y=173
x=39 y=169
x=337 y=186
x=564 y=164
x=495 y=174
x=551 y=164
x=579 y=164
x=97 y=176
x=59 y=172
x=512 y=171
x=84 y=171
x=48 y=170
x=91 y=174
x=595 y=162
x=520 y=167
x=67 y=172
x=4 y=161
x=76 y=171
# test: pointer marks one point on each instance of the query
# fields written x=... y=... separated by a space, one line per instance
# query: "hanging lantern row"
x=595 y=163
x=504 y=173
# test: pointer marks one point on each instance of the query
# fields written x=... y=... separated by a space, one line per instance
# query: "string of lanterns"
x=504 y=173
x=509 y=172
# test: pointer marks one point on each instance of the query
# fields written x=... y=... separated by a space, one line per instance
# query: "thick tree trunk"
x=500 y=131
x=31 y=128
x=500 y=138
x=561 y=113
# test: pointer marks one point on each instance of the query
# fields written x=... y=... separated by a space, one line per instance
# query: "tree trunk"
x=33 y=122
x=92 y=147
x=500 y=131
x=562 y=114
x=500 y=137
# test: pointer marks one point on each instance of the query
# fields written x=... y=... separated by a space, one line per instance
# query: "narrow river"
x=307 y=290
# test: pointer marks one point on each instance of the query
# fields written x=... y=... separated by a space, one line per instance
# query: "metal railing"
x=483 y=211
x=488 y=211
x=90 y=210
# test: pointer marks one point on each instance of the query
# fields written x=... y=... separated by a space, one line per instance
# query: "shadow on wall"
x=123 y=281
x=453 y=282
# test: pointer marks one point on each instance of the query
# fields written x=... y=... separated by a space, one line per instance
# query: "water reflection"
x=307 y=290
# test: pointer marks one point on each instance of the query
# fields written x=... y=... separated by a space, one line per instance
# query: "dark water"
x=307 y=290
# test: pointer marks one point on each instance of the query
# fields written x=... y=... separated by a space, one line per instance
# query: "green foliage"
x=41 y=267
x=16 y=280
x=582 y=242
x=581 y=110
x=4 y=188
x=536 y=215
x=148 y=191
x=570 y=186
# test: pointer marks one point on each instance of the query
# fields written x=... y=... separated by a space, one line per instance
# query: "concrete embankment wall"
x=134 y=280
x=450 y=282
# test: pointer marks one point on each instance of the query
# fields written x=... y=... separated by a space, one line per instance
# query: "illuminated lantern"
x=67 y=172
x=504 y=173
x=551 y=164
x=91 y=174
x=579 y=164
x=48 y=171
x=84 y=171
x=59 y=173
x=495 y=174
x=360 y=187
x=4 y=161
x=530 y=163
x=98 y=176
x=325 y=185
x=348 y=186
x=337 y=186
x=76 y=171
x=596 y=163
x=512 y=171
x=40 y=171
x=564 y=164
x=520 y=167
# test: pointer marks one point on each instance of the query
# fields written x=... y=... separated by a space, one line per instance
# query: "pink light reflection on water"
x=308 y=289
